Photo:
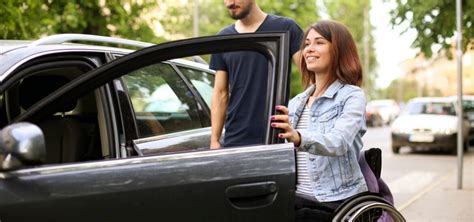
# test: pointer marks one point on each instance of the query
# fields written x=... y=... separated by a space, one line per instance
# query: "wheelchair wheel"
x=373 y=211
x=368 y=208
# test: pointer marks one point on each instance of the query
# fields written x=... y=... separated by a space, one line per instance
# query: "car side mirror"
x=21 y=144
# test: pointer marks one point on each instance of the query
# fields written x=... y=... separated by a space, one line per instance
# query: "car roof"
x=16 y=52
x=8 y=45
x=464 y=97
x=13 y=50
x=382 y=102
x=431 y=99
x=195 y=64
x=13 y=53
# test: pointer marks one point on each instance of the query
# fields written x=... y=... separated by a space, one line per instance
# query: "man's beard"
x=244 y=13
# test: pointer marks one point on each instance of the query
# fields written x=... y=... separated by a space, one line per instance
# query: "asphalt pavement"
x=442 y=200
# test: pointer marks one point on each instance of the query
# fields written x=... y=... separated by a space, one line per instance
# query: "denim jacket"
x=333 y=140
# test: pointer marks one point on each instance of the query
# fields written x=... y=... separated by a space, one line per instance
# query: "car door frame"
x=277 y=54
x=204 y=109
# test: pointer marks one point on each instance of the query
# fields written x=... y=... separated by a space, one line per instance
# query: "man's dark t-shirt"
x=248 y=75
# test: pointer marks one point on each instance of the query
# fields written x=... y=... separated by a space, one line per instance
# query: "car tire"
x=396 y=149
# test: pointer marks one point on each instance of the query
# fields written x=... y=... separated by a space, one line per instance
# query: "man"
x=241 y=77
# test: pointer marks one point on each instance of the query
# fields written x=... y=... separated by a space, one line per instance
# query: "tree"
x=177 y=18
x=354 y=15
x=31 y=19
x=401 y=90
x=435 y=22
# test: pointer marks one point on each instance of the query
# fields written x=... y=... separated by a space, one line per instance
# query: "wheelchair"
x=377 y=203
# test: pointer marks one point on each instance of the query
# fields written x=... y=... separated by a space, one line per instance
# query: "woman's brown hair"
x=345 y=65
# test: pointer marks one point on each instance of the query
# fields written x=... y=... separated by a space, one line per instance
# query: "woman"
x=326 y=122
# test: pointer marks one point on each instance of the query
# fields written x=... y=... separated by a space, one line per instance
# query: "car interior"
x=78 y=131
x=72 y=134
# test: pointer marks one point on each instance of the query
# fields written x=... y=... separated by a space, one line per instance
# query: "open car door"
x=253 y=183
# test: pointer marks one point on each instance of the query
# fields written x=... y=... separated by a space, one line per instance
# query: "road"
x=409 y=174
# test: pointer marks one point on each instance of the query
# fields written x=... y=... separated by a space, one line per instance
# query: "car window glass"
x=202 y=81
x=433 y=108
x=161 y=100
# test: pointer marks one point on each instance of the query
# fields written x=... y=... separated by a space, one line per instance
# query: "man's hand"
x=215 y=145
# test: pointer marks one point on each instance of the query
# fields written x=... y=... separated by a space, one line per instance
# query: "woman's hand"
x=281 y=121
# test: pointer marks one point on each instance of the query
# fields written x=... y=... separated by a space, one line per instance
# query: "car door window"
x=201 y=80
x=161 y=101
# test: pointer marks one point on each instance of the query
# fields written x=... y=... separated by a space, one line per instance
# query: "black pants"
x=310 y=210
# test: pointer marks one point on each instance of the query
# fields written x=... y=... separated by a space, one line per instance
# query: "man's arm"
x=220 y=97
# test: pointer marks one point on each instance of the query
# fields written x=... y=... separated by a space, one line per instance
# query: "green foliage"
x=178 y=19
x=401 y=90
x=31 y=19
x=21 y=19
x=435 y=22
x=302 y=11
x=352 y=14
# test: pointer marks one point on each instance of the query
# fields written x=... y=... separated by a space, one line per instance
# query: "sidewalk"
x=442 y=201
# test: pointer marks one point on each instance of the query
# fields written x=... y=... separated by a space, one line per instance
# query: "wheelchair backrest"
x=370 y=162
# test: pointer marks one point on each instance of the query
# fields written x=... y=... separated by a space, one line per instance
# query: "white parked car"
x=387 y=108
x=428 y=122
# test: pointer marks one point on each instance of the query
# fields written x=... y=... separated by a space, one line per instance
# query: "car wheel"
x=396 y=149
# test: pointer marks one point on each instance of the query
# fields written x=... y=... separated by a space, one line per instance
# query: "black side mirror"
x=21 y=144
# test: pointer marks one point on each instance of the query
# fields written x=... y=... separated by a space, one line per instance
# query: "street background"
x=424 y=183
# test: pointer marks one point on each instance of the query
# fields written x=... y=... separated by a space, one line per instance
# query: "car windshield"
x=434 y=108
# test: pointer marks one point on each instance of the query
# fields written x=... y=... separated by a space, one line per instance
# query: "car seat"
x=66 y=140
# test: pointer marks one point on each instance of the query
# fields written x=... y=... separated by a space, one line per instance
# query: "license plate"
x=427 y=138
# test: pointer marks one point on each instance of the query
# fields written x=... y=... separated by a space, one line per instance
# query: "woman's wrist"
x=297 y=140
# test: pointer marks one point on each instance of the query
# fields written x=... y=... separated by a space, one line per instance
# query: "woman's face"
x=317 y=53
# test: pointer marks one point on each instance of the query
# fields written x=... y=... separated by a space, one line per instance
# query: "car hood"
x=425 y=121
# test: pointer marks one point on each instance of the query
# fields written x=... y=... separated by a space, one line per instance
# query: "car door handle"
x=252 y=195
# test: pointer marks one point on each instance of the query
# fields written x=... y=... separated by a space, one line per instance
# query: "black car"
x=127 y=134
